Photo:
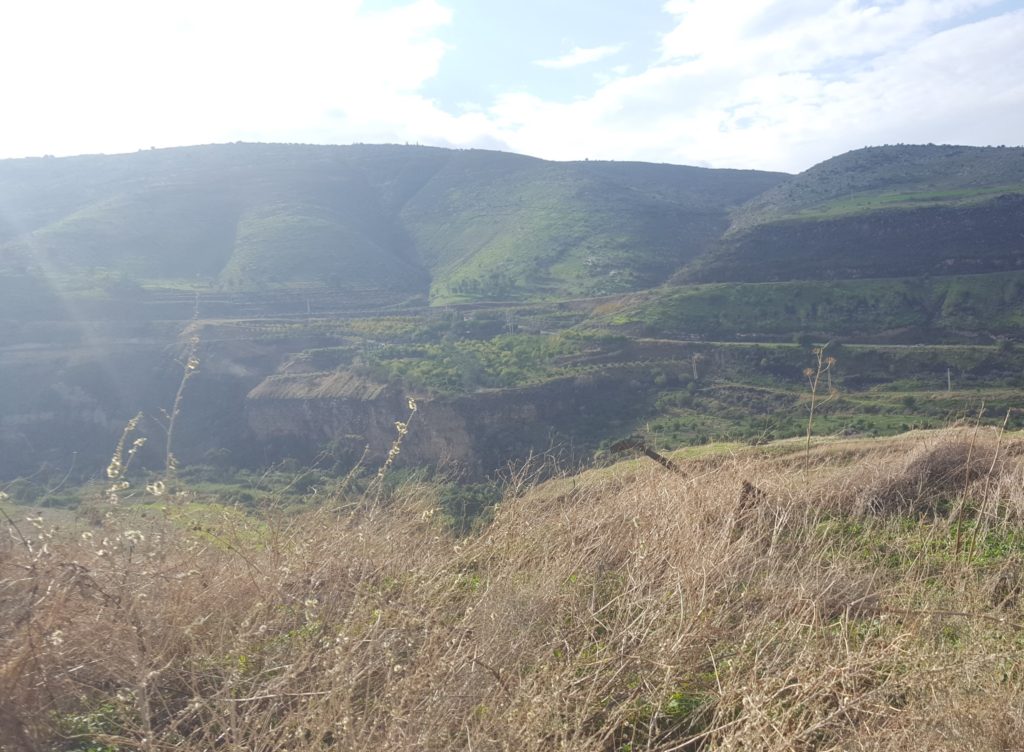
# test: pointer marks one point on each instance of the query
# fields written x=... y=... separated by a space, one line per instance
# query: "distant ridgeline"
x=459 y=225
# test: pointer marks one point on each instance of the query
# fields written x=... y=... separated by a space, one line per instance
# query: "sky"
x=765 y=84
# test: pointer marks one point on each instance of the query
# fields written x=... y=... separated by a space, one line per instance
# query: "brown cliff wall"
x=475 y=434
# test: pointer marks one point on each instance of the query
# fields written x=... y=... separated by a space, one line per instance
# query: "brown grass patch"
x=659 y=613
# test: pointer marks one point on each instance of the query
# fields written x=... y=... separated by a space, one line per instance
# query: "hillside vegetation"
x=463 y=224
x=864 y=595
x=909 y=310
x=880 y=212
x=889 y=176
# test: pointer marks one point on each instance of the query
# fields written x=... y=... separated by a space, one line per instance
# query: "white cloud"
x=799 y=34
x=778 y=90
x=773 y=84
x=113 y=75
x=580 y=56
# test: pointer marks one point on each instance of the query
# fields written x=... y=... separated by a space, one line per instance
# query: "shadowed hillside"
x=880 y=212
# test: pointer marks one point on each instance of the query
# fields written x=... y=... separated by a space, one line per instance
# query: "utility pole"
x=949 y=379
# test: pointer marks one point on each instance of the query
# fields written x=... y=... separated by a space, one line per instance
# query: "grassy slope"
x=250 y=216
x=329 y=228
x=519 y=227
x=141 y=234
x=881 y=177
x=907 y=310
x=880 y=212
x=752 y=393
x=842 y=605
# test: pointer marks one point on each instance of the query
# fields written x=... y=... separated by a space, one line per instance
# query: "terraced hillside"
x=903 y=310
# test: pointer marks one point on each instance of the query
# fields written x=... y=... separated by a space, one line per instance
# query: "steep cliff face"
x=474 y=434
x=67 y=389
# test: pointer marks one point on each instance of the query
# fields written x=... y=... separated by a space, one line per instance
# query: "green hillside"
x=888 y=177
x=464 y=225
x=564 y=229
x=909 y=310
x=880 y=212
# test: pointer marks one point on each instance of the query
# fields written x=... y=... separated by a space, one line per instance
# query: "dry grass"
x=630 y=613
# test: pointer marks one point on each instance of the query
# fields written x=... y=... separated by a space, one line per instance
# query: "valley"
x=530 y=308
x=343 y=447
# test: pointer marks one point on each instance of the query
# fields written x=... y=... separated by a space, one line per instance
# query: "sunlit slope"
x=148 y=233
x=889 y=211
x=242 y=217
x=502 y=226
x=462 y=224
x=833 y=596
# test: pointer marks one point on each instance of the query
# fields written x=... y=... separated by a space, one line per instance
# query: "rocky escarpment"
x=474 y=434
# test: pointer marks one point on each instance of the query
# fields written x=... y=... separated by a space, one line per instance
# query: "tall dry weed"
x=626 y=612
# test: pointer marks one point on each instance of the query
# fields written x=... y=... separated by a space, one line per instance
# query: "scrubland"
x=864 y=594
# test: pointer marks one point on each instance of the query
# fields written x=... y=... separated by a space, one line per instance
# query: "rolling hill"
x=457 y=224
x=893 y=211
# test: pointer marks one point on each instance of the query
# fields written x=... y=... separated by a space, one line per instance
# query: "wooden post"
x=639 y=445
